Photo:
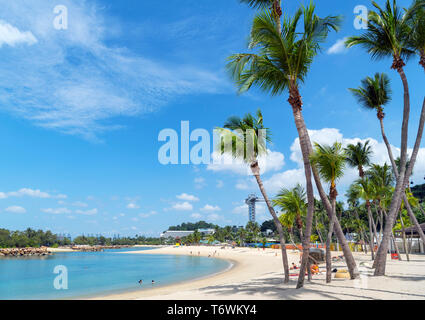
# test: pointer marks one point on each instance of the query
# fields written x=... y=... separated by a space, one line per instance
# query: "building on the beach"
x=180 y=234
x=413 y=240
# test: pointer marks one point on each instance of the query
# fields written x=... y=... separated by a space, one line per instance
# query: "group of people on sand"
x=215 y=253
x=314 y=268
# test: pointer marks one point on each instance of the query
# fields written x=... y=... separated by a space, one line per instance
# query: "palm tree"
x=417 y=31
x=293 y=205
x=247 y=139
x=353 y=195
x=282 y=65
x=374 y=94
x=358 y=156
x=330 y=162
x=210 y=239
x=365 y=188
x=241 y=235
x=388 y=35
x=274 y=5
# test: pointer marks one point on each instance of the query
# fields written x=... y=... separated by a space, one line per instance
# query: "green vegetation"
x=29 y=238
x=188 y=226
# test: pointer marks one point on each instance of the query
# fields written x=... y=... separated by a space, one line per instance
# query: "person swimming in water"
x=140 y=282
x=153 y=282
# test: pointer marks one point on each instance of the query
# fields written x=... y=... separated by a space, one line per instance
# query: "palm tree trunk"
x=318 y=232
x=256 y=172
x=305 y=142
x=362 y=236
x=404 y=236
x=328 y=245
x=371 y=240
x=395 y=169
x=277 y=13
x=295 y=101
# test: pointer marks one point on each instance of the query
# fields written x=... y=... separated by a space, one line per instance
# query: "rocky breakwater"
x=20 y=252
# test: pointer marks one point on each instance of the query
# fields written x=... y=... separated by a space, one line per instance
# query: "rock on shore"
x=18 y=252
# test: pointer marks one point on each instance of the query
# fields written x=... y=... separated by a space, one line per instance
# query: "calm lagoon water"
x=98 y=273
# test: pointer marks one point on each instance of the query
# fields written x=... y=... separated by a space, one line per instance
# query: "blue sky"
x=81 y=110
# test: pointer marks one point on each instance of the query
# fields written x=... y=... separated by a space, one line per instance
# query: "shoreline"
x=258 y=275
x=237 y=266
x=135 y=294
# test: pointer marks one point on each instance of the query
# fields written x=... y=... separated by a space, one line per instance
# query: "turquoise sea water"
x=98 y=273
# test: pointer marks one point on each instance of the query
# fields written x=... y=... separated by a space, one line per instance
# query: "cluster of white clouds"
x=12 y=36
x=275 y=181
x=273 y=161
x=31 y=193
x=60 y=211
x=187 y=197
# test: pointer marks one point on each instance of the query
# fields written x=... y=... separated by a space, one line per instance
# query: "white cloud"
x=31 y=193
x=187 y=197
x=87 y=212
x=147 y=215
x=199 y=183
x=75 y=83
x=210 y=208
x=273 y=161
x=56 y=210
x=338 y=47
x=183 y=206
x=15 y=209
x=80 y=204
x=133 y=206
x=196 y=215
x=291 y=177
x=11 y=35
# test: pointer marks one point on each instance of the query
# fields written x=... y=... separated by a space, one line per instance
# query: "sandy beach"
x=257 y=275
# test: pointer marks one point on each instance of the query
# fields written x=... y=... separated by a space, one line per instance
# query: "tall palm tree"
x=388 y=35
x=358 y=156
x=292 y=202
x=247 y=139
x=330 y=162
x=417 y=31
x=282 y=65
x=374 y=94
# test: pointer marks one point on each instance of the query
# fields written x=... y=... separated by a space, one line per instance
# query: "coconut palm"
x=358 y=156
x=245 y=139
x=417 y=31
x=374 y=94
x=388 y=36
x=292 y=202
x=353 y=196
x=241 y=234
x=330 y=162
x=282 y=64
x=366 y=191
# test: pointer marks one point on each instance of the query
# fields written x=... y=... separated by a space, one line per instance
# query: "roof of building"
x=412 y=230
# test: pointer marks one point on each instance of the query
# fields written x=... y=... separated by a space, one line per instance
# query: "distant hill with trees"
x=188 y=226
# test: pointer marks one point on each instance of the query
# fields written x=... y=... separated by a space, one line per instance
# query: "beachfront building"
x=413 y=240
x=180 y=234
x=176 y=234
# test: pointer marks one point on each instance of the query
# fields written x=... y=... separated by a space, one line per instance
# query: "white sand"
x=257 y=274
